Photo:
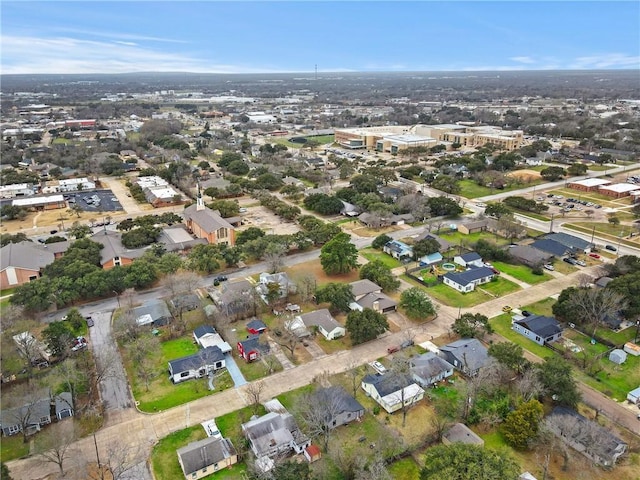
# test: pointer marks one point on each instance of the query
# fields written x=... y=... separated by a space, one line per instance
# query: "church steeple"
x=199 y=200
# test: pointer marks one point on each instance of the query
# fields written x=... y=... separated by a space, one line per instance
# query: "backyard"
x=522 y=273
x=372 y=254
x=470 y=189
x=162 y=393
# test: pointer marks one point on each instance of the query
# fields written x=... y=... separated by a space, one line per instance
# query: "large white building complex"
x=395 y=138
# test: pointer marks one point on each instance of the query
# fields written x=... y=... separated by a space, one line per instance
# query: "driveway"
x=114 y=388
x=234 y=370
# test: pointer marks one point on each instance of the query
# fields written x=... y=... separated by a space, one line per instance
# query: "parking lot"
x=95 y=201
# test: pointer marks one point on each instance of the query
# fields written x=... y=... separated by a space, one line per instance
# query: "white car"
x=378 y=367
x=548 y=266
x=211 y=428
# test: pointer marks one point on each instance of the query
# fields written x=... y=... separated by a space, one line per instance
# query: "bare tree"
x=528 y=385
x=595 y=305
x=376 y=469
x=399 y=376
x=320 y=410
x=55 y=444
x=28 y=346
x=181 y=282
x=71 y=375
x=22 y=405
x=287 y=338
x=274 y=257
x=11 y=316
x=271 y=362
x=122 y=457
x=253 y=392
x=306 y=287
x=354 y=375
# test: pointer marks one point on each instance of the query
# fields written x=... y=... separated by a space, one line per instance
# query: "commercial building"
x=618 y=190
x=588 y=184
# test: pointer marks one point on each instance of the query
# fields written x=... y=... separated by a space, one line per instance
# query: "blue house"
x=398 y=249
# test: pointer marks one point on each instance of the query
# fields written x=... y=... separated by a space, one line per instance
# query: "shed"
x=312 y=453
x=460 y=433
x=634 y=396
x=618 y=356
x=632 y=349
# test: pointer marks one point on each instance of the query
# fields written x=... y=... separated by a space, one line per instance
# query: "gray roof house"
x=204 y=457
x=460 y=433
x=551 y=247
x=152 y=312
x=570 y=241
x=342 y=406
x=22 y=262
x=468 y=259
x=529 y=256
x=31 y=416
x=324 y=321
x=198 y=365
x=63 y=405
x=234 y=298
x=587 y=437
x=206 y=336
x=426 y=235
x=368 y=294
x=391 y=391
x=429 y=368
x=280 y=278
x=538 y=328
x=275 y=434
x=468 y=280
x=114 y=253
x=467 y=355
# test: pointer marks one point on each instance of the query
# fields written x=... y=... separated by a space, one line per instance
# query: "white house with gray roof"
x=205 y=457
x=324 y=321
x=198 y=365
x=467 y=355
x=391 y=391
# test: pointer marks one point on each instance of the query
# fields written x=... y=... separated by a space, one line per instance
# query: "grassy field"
x=499 y=287
x=612 y=231
x=456 y=238
x=470 y=189
x=521 y=272
x=162 y=393
x=543 y=307
x=13 y=447
x=372 y=254
x=405 y=469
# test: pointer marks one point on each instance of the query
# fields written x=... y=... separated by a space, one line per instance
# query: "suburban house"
x=235 y=298
x=429 y=368
x=570 y=241
x=349 y=210
x=204 y=457
x=392 y=392
x=468 y=280
x=325 y=323
x=185 y=303
x=114 y=253
x=206 y=336
x=586 y=436
x=34 y=415
x=152 y=312
x=460 y=433
x=398 y=250
x=252 y=348
x=286 y=286
x=538 y=328
x=426 y=235
x=21 y=263
x=467 y=355
x=205 y=223
x=468 y=260
x=431 y=259
x=198 y=365
x=274 y=435
x=367 y=294
x=473 y=227
x=343 y=407
x=256 y=327
x=530 y=256
x=551 y=247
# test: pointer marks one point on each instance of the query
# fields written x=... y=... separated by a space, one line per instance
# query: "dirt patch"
x=314 y=268
x=525 y=175
x=265 y=219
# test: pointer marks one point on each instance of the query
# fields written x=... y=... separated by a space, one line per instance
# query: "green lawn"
x=502 y=325
x=499 y=287
x=613 y=231
x=456 y=238
x=543 y=307
x=619 y=338
x=372 y=254
x=447 y=295
x=162 y=393
x=256 y=370
x=470 y=189
x=13 y=447
x=405 y=469
x=521 y=272
x=164 y=459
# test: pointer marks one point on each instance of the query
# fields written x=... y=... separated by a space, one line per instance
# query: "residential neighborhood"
x=233 y=285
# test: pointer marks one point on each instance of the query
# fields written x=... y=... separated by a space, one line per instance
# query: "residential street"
x=143 y=430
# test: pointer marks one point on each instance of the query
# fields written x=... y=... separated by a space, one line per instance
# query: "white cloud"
x=70 y=55
x=523 y=59
x=131 y=44
x=607 y=60
x=119 y=35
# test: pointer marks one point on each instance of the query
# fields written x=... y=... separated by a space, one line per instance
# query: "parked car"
x=570 y=260
x=548 y=266
x=506 y=308
x=594 y=255
x=611 y=248
x=89 y=321
x=407 y=344
x=581 y=263
x=378 y=367
x=393 y=349
x=526 y=313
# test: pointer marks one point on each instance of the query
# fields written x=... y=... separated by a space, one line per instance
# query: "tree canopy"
x=339 y=295
x=558 y=382
x=523 y=424
x=416 y=303
x=339 y=255
x=380 y=274
x=365 y=325
x=468 y=462
x=472 y=325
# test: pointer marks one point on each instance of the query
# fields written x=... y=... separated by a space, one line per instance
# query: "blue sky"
x=284 y=36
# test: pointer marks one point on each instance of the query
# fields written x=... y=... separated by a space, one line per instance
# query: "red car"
x=594 y=255
x=393 y=349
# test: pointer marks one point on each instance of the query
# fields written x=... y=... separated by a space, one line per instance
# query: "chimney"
x=199 y=201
